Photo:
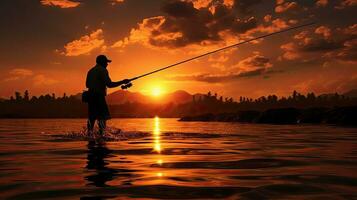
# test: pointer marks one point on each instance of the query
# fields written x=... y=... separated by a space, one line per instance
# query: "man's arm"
x=110 y=84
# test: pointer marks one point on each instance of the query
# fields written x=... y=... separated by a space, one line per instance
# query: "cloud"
x=18 y=73
x=276 y=25
x=320 y=45
x=187 y=23
x=316 y=43
x=118 y=1
x=323 y=30
x=321 y=3
x=85 y=44
x=114 y=2
x=219 y=60
x=145 y=31
x=290 y=51
x=267 y=18
x=23 y=74
x=203 y=77
x=208 y=78
x=221 y=78
x=201 y=3
x=349 y=52
x=346 y=3
x=253 y=63
x=41 y=79
x=60 y=3
x=327 y=43
x=350 y=30
x=283 y=6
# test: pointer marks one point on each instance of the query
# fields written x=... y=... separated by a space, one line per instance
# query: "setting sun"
x=156 y=91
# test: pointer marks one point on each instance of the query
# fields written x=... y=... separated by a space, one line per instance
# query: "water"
x=166 y=159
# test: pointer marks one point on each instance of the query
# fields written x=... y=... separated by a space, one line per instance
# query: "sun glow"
x=156 y=91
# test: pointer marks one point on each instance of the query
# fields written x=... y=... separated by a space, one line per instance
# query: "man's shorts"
x=97 y=107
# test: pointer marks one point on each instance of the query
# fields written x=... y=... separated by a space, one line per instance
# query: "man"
x=97 y=82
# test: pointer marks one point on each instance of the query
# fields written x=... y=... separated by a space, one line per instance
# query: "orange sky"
x=49 y=45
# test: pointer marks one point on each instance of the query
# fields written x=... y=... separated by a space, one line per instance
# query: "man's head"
x=102 y=60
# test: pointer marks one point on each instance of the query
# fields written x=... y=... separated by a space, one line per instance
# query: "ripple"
x=126 y=135
x=279 y=191
x=152 y=191
x=239 y=164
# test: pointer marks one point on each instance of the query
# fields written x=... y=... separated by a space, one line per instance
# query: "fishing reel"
x=126 y=86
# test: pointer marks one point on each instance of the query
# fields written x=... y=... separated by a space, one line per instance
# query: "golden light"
x=157 y=147
x=156 y=91
x=157 y=144
x=156 y=135
x=159 y=161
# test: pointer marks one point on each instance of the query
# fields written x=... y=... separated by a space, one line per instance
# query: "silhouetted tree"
x=26 y=95
x=18 y=96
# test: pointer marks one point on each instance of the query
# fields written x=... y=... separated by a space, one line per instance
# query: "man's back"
x=97 y=79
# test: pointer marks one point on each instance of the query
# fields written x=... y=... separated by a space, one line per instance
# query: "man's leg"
x=91 y=114
x=90 y=125
x=102 y=126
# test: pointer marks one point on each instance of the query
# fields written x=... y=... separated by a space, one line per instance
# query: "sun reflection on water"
x=157 y=144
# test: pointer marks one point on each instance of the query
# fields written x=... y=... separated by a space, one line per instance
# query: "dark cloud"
x=221 y=78
x=322 y=45
x=245 y=6
x=180 y=9
x=195 y=25
x=330 y=43
x=253 y=63
x=349 y=52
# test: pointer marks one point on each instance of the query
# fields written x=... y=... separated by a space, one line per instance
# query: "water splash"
x=111 y=134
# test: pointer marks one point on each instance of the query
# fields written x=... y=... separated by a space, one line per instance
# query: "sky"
x=47 y=46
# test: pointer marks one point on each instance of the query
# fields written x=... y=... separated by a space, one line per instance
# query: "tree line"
x=50 y=106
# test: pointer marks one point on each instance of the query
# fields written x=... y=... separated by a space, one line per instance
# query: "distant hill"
x=178 y=97
x=123 y=96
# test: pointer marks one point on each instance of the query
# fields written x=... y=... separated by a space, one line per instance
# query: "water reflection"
x=96 y=160
x=178 y=160
x=156 y=135
x=157 y=147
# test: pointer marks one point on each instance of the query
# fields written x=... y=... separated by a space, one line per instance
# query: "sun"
x=156 y=91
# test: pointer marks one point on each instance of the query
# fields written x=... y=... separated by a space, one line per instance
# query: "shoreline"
x=341 y=116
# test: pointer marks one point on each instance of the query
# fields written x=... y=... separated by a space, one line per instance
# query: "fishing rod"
x=215 y=51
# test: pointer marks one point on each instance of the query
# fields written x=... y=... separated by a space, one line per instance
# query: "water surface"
x=166 y=159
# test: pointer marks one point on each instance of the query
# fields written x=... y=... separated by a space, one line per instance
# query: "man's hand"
x=126 y=86
x=125 y=81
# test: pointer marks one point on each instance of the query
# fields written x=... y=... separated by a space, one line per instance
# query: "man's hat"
x=102 y=59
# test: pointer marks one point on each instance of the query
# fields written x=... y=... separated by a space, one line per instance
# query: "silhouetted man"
x=97 y=82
